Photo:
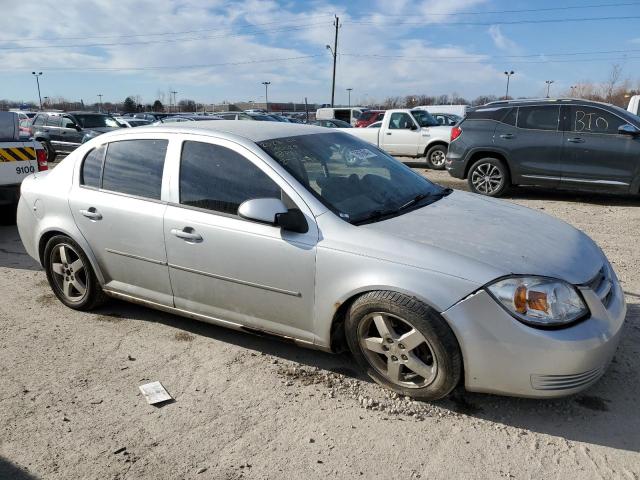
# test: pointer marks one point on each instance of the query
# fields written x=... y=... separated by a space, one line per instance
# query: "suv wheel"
x=48 y=148
x=489 y=176
x=436 y=157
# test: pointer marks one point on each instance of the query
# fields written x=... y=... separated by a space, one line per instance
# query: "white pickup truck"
x=409 y=133
x=19 y=157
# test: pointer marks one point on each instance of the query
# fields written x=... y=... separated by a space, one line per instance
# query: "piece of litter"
x=130 y=358
x=154 y=392
x=202 y=470
x=120 y=450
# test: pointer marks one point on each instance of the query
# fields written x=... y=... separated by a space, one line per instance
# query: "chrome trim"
x=541 y=177
x=137 y=257
x=565 y=382
x=236 y=280
x=603 y=182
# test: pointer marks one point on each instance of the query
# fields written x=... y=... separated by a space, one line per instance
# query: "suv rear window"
x=135 y=167
x=539 y=118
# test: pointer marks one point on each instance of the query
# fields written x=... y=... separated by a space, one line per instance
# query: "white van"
x=634 y=105
x=459 y=110
x=349 y=115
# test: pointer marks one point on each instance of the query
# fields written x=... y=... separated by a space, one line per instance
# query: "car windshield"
x=97 y=121
x=357 y=181
x=424 y=118
x=627 y=115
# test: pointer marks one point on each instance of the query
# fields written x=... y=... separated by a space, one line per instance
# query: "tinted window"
x=539 y=118
x=92 y=167
x=53 y=121
x=217 y=178
x=400 y=121
x=135 y=167
x=67 y=122
x=593 y=120
x=510 y=116
x=39 y=120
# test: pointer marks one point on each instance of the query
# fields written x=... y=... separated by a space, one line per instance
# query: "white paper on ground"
x=154 y=392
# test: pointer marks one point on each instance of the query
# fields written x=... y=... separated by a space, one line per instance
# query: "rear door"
x=117 y=204
x=596 y=155
x=534 y=146
x=52 y=127
x=398 y=138
x=70 y=137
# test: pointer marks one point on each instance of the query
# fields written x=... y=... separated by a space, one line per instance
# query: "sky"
x=216 y=50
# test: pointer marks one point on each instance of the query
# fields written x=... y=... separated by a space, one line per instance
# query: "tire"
x=489 y=176
x=51 y=153
x=436 y=157
x=417 y=356
x=71 y=276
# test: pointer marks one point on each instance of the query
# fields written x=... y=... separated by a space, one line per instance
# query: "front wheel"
x=489 y=176
x=436 y=156
x=70 y=274
x=404 y=345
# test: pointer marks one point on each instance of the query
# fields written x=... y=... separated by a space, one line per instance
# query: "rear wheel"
x=70 y=274
x=404 y=345
x=489 y=176
x=48 y=148
x=436 y=156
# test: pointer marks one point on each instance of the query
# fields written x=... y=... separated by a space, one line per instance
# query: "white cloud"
x=502 y=41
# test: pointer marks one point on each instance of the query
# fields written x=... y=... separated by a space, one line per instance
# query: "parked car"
x=64 y=132
x=634 y=105
x=184 y=118
x=131 y=122
x=375 y=125
x=262 y=117
x=350 y=115
x=263 y=228
x=548 y=143
x=331 y=123
x=448 y=119
x=368 y=117
x=409 y=133
x=459 y=110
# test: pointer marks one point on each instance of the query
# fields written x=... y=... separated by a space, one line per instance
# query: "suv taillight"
x=455 y=133
x=41 y=156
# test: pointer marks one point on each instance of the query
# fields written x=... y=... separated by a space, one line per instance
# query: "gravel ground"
x=255 y=408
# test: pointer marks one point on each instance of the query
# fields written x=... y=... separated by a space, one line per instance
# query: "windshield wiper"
x=422 y=196
x=375 y=215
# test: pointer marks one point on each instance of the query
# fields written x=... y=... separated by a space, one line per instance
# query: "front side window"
x=135 y=167
x=400 y=121
x=424 y=118
x=583 y=119
x=539 y=118
x=91 y=170
x=357 y=181
x=68 y=122
x=219 y=179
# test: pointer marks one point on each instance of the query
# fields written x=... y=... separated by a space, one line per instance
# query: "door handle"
x=91 y=213
x=187 y=233
x=507 y=136
x=388 y=133
x=575 y=140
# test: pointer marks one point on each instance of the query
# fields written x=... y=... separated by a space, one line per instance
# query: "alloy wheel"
x=397 y=350
x=487 y=178
x=69 y=272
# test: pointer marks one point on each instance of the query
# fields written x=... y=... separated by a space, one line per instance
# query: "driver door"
x=402 y=136
x=228 y=268
x=70 y=137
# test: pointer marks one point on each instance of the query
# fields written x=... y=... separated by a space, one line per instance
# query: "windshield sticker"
x=363 y=153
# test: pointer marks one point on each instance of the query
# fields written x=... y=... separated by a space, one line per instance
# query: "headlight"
x=539 y=301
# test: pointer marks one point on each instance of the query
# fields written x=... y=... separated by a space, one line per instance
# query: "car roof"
x=254 y=131
x=542 y=101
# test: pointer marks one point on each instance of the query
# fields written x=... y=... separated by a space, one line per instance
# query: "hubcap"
x=486 y=178
x=438 y=158
x=397 y=350
x=69 y=273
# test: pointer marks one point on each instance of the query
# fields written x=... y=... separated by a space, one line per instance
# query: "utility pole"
x=266 y=94
x=548 y=82
x=508 y=74
x=349 y=90
x=100 y=104
x=334 y=52
x=573 y=90
x=175 y=102
x=37 y=75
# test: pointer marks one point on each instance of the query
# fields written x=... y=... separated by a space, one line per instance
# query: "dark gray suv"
x=551 y=143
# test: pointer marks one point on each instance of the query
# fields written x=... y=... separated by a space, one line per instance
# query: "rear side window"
x=585 y=119
x=501 y=114
x=217 y=178
x=539 y=118
x=135 y=167
x=91 y=171
x=53 y=121
x=39 y=120
x=510 y=117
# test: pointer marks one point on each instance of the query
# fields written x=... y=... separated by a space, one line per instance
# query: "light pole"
x=175 y=102
x=349 y=90
x=508 y=74
x=548 y=82
x=573 y=89
x=37 y=75
x=266 y=95
x=100 y=104
x=46 y=101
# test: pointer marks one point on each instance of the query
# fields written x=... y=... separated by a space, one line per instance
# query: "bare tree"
x=610 y=85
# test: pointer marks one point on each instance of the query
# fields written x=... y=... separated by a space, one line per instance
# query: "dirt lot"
x=254 y=408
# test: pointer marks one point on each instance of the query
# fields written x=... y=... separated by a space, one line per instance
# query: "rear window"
x=135 y=167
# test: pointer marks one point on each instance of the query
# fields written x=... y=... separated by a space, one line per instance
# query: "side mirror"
x=273 y=212
x=413 y=127
x=628 y=129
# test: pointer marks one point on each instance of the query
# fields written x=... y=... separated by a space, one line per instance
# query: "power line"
x=485 y=56
x=497 y=22
x=166 y=40
x=480 y=59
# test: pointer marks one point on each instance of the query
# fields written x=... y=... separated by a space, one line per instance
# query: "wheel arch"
x=434 y=143
x=475 y=156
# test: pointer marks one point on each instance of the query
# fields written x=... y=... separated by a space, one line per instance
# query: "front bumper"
x=504 y=356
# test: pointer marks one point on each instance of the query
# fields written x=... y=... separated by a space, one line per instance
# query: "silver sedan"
x=272 y=227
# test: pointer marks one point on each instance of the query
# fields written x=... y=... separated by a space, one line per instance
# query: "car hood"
x=505 y=237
